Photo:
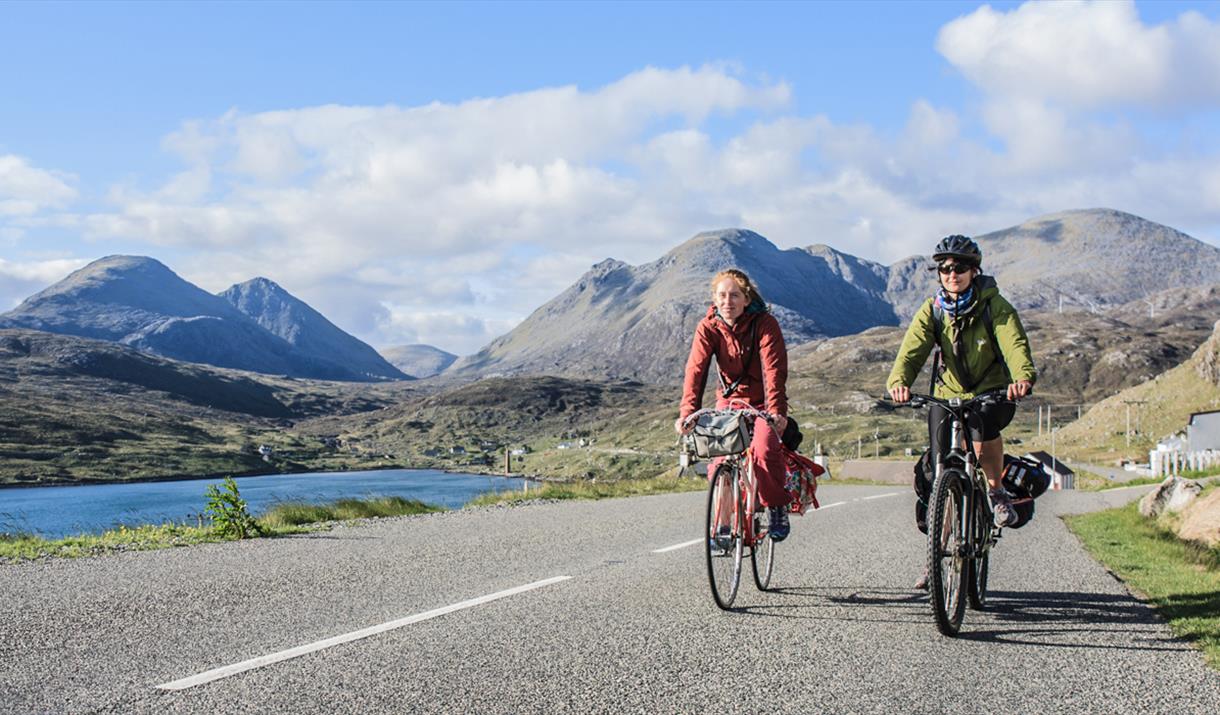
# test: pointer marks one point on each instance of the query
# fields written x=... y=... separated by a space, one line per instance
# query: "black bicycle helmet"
x=963 y=248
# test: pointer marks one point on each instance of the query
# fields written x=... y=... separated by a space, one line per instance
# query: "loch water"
x=56 y=512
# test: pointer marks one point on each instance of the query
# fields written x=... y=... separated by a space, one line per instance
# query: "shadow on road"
x=1039 y=618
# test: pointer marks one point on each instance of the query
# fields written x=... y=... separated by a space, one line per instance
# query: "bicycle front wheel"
x=947 y=545
x=724 y=535
x=762 y=554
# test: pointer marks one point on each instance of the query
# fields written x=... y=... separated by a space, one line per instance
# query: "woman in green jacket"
x=978 y=357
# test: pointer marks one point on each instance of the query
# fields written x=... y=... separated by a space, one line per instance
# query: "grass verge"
x=281 y=520
x=1182 y=581
x=594 y=490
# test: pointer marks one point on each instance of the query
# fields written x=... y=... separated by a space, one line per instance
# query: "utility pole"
x=859 y=446
x=876 y=444
x=1039 y=420
x=1128 y=403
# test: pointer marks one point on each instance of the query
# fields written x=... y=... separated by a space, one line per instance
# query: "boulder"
x=1171 y=495
x=1201 y=520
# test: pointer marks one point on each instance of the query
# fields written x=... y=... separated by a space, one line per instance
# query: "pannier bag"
x=791 y=438
x=720 y=434
x=1026 y=480
x=1025 y=475
x=802 y=481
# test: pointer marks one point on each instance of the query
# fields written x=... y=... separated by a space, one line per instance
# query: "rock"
x=1201 y=520
x=1172 y=495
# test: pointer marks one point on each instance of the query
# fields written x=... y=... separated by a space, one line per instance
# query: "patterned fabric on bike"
x=802 y=481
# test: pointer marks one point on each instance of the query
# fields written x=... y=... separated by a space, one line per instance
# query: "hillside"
x=1160 y=407
x=74 y=409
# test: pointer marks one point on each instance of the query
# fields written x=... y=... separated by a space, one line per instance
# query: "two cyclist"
x=752 y=362
x=982 y=348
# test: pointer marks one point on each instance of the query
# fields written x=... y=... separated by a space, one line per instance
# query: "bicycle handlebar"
x=747 y=409
x=995 y=397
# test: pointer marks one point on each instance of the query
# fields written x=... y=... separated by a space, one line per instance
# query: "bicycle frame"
x=961 y=531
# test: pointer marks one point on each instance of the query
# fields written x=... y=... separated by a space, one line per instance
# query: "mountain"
x=418 y=360
x=1091 y=258
x=636 y=321
x=139 y=302
x=307 y=331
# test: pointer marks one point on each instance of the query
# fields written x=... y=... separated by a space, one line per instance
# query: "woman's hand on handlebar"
x=682 y=426
x=1019 y=389
x=779 y=423
x=900 y=394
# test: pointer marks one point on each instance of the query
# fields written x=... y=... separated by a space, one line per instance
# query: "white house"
x=1203 y=431
x=1062 y=476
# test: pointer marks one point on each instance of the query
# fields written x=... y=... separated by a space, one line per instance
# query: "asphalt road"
x=621 y=628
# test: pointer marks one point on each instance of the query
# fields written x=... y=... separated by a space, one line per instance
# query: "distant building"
x=1203 y=431
x=1062 y=476
x=457 y=450
x=518 y=452
x=432 y=452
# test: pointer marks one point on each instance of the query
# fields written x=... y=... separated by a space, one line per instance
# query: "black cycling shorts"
x=984 y=425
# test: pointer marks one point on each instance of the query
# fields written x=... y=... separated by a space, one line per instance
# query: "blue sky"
x=432 y=172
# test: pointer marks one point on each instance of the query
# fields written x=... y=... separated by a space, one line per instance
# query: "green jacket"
x=980 y=358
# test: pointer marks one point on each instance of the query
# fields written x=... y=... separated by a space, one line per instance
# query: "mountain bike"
x=735 y=518
x=961 y=530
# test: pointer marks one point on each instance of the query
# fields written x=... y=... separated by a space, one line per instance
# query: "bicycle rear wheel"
x=762 y=554
x=976 y=584
x=946 y=551
x=724 y=551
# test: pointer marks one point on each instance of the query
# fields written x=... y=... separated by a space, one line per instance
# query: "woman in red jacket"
x=738 y=324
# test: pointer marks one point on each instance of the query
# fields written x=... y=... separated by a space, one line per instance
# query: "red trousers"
x=770 y=466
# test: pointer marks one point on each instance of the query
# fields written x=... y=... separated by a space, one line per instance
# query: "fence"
x=1165 y=463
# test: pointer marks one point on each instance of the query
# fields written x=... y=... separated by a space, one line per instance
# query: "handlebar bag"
x=719 y=435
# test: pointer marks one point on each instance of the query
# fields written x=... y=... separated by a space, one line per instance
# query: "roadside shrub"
x=230 y=516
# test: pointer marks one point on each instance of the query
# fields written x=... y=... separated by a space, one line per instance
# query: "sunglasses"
x=958 y=268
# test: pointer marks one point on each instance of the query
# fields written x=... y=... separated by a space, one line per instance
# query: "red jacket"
x=764 y=386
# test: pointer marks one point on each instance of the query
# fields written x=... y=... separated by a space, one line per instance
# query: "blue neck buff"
x=956 y=307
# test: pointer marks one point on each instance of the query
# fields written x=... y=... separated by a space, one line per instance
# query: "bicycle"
x=961 y=530
x=735 y=518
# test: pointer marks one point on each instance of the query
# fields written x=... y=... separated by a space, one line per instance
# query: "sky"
x=434 y=172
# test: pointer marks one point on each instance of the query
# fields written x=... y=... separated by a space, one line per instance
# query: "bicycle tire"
x=724 y=565
x=946 y=561
x=762 y=555
x=976 y=583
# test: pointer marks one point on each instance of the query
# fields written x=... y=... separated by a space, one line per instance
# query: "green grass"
x=1182 y=581
x=297 y=514
x=594 y=490
x=281 y=520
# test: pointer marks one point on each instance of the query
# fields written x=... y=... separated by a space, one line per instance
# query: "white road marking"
x=880 y=496
x=251 y=664
x=675 y=547
x=830 y=506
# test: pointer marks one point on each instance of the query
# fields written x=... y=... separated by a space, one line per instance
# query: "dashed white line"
x=675 y=547
x=831 y=506
x=251 y=664
x=880 y=496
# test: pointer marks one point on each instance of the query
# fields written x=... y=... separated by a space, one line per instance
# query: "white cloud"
x=1087 y=54
x=449 y=223
x=21 y=279
x=26 y=190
